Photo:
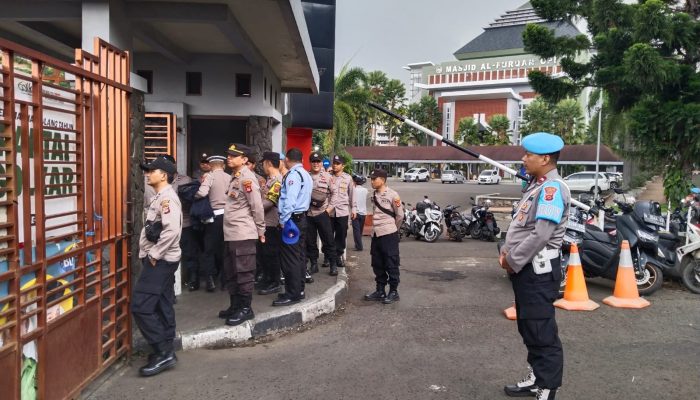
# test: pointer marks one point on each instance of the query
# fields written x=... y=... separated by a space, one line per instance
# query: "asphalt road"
x=446 y=339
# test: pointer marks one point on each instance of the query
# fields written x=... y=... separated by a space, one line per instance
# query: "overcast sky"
x=388 y=34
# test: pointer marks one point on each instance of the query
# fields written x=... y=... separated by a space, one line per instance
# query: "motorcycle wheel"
x=650 y=280
x=475 y=232
x=690 y=273
x=432 y=233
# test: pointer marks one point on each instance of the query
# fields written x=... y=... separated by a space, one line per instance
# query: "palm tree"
x=350 y=96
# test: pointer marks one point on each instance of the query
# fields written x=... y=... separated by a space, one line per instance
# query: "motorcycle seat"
x=599 y=235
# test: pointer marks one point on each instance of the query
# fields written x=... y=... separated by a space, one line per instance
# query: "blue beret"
x=290 y=232
x=542 y=143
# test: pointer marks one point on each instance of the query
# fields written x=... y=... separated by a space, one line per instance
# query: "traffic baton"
x=450 y=143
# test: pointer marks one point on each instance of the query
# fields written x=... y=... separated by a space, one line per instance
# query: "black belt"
x=299 y=215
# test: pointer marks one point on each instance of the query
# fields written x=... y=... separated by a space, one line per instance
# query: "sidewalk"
x=654 y=191
x=198 y=325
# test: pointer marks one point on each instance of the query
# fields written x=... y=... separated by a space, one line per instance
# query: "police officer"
x=270 y=250
x=295 y=198
x=252 y=165
x=159 y=251
x=214 y=184
x=388 y=215
x=360 y=202
x=531 y=257
x=319 y=221
x=341 y=206
x=204 y=167
x=244 y=225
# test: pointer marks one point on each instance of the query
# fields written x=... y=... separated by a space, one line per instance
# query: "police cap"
x=542 y=143
x=237 y=149
x=216 y=159
x=338 y=159
x=315 y=156
x=378 y=173
x=204 y=158
x=160 y=163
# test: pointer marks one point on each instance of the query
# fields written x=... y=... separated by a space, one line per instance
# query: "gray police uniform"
x=532 y=250
x=214 y=185
x=154 y=295
x=319 y=222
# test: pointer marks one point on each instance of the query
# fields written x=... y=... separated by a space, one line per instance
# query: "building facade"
x=489 y=76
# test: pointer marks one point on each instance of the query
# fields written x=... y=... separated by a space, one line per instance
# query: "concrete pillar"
x=260 y=133
x=107 y=20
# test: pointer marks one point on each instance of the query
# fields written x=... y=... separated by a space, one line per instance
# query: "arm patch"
x=550 y=205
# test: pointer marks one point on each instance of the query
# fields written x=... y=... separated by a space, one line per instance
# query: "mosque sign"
x=491 y=64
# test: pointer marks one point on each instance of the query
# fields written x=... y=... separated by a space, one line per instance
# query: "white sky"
x=388 y=34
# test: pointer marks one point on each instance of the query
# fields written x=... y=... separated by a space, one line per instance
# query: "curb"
x=266 y=323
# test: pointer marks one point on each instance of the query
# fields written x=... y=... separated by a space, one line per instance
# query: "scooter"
x=425 y=221
x=483 y=223
x=638 y=224
x=457 y=225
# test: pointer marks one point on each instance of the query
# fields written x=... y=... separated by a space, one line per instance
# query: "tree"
x=564 y=118
x=646 y=58
x=467 y=132
x=426 y=113
x=500 y=124
x=350 y=95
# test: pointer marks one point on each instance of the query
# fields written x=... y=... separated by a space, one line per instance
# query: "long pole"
x=597 y=154
x=472 y=153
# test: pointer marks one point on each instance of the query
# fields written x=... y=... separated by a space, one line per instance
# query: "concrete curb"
x=269 y=322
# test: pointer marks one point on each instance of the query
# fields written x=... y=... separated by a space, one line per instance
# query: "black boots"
x=377 y=295
x=242 y=313
x=224 y=314
x=526 y=387
x=392 y=297
x=158 y=363
x=313 y=267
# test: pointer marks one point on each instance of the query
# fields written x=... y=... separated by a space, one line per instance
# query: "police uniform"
x=388 y=214
x=295 y=198
x=531 y=249
x=342 y=203
x=360 y=202
x=244 y=224
x=319 y=221
x=270 y=250
x=189 y=241
x=154 y=294
x=214 y=185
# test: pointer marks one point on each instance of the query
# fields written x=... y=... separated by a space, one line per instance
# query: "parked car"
x=489 y=176
x=585 y=182
x=615 y=179
x=416 y=175
x=452 y=176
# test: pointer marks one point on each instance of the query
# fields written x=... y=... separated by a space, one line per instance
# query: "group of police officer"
x=320 y=204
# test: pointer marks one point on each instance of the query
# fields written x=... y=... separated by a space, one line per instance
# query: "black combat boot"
x=392 y=297
x=308 y=278
x=223 y=314
x=211 y=285
x=158 y=363
x=313 y=267
x=377 y=295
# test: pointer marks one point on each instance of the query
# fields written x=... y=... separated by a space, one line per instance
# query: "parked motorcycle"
x=482 y=224
x=423 y=221
x=457 y=225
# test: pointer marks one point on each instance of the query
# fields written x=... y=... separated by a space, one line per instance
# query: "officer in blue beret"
x=530 y=255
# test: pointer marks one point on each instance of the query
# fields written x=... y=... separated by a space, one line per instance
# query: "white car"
x=585 y=182
x=452 y=176
x=416 y=175
x=615 y=179
x=489 y=176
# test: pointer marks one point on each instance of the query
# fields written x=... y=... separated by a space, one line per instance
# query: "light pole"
x=597 y=155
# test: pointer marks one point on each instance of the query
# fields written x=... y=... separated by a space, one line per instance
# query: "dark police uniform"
x=388 y=215
x=295 y=197
x=270 y=250
x=532 y=250
x=319 y=222
x=154 y=294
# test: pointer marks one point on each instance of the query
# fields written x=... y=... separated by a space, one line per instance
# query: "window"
x=193 y=83
x=148 y=76
x=242 y=85
x=265 y=91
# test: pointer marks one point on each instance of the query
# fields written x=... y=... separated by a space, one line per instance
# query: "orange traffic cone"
x=510 y=313
x=626 y=294
x=575 y=294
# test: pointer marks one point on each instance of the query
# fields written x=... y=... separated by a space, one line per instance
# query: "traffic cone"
x=510 y=313
x=575 y=293
x=626 y=294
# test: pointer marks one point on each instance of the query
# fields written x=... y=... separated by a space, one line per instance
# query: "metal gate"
x=64 y=266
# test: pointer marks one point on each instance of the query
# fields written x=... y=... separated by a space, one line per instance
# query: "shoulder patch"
x=165 y=206
x=550 y=205
x=248 y=185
